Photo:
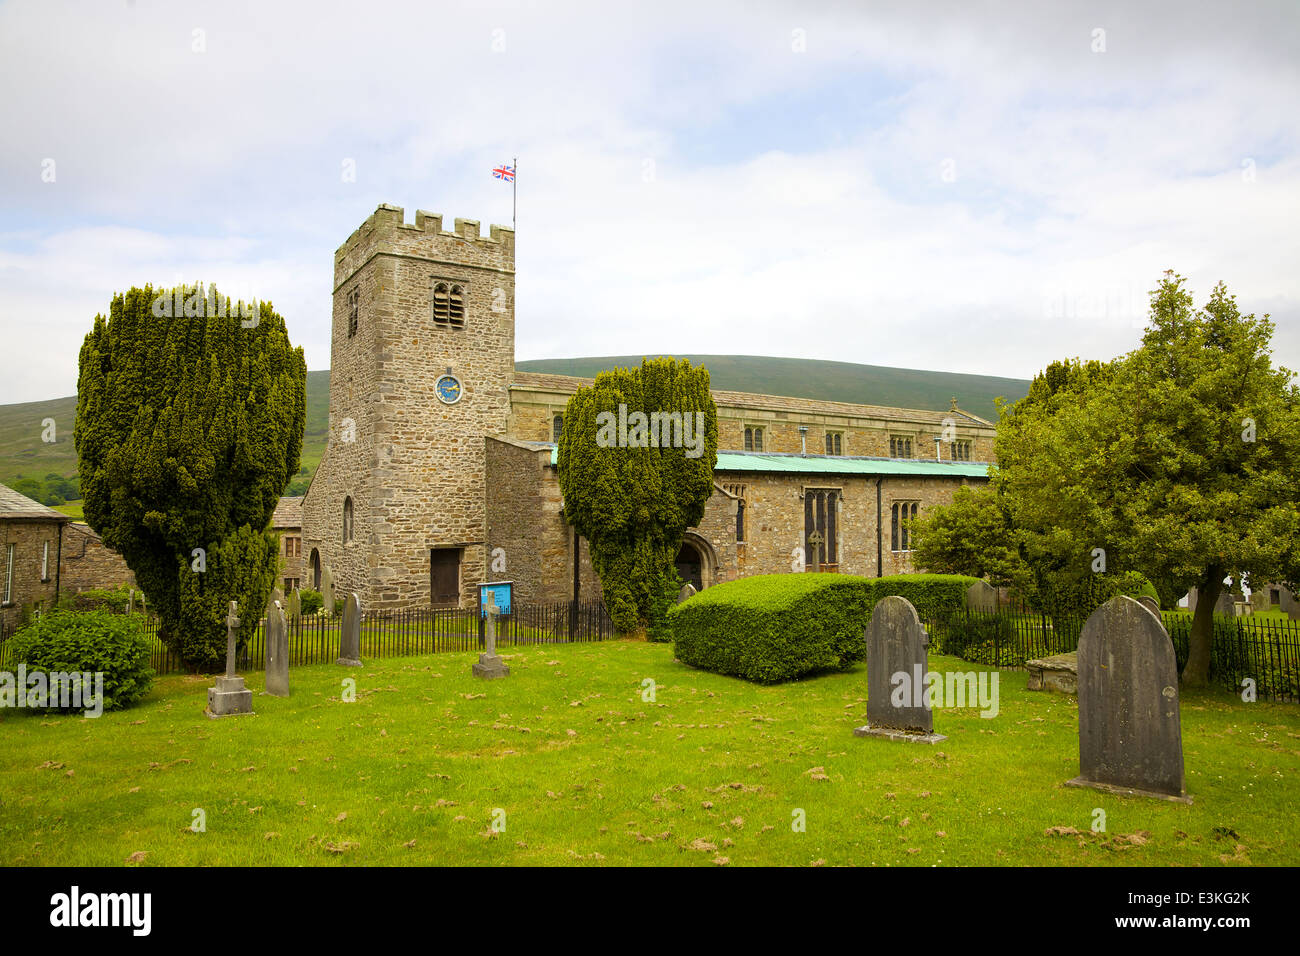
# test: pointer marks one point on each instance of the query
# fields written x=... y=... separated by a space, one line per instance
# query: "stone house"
x=45 y=554
x=439 y=473
x=287 y=520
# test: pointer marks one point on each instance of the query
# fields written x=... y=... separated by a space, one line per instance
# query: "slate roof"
x=288 y=513
x=14 y=505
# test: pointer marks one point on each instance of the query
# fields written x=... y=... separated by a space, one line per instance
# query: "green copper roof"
x=832 y=465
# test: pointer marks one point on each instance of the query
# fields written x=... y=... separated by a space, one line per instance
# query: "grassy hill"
x=23 y=454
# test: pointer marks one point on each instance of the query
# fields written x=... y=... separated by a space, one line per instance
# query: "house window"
x=9 y=575
x=354 y=307
x=290 y=584
x=961 y=450
x=293 y=547
x=834 y=443
x=45 y=561
x=900 y=513
x=900 y=446
x=347 y=520
x=821 y=529
x=557 y=426
x=753 y=438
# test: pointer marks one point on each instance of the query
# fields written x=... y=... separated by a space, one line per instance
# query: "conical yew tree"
x=190 y=414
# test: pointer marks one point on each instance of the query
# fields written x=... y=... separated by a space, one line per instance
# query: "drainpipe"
x=880 y=540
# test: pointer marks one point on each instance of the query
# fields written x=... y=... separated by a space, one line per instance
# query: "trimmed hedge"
x=92 y=642
x=778 y=627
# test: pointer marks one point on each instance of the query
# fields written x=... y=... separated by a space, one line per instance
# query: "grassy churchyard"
x=564 y=762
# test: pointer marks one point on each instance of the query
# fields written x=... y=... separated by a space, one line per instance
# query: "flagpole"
x=514 y=194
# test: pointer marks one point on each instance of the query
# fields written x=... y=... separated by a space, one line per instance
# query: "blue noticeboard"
x=501 y=592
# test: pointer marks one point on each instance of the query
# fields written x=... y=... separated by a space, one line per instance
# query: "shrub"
x=89 y=641
x=311 y=601
x=933 y=595
x=101 y=599
x=660 y=627
x=774 y=627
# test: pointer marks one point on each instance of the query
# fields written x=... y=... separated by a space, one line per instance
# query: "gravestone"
x=1288 y=603
x=276 y=595
x=350 y=632
x=1151 y=604
x=294 y=606
x=130 y=602
x=982 y=596
x=230 y=696
x=1259 y=602
x=1191 y=600
x=896 y=669
x=327 y=591
x=489 y=665
x=687 y=591
x=1130 y=738
x=277 y=651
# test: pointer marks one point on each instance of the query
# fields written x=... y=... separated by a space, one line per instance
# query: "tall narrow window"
x=821 y=529
x=456 y=307
x=901 y=512
x=900 y=446
x=441 y=301
x=834 y=443
x=347 y=520
x=740 y=521
x=9 y=575
x=557 y=428
x=753 y=438
x=45 y=561
x=354 y=308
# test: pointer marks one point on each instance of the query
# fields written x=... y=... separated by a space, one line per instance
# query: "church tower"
x=422 y=358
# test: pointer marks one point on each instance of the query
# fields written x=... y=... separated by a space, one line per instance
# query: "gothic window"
x=738 y=491
x=834 y=443
x=753 y=438
x=557 y=426
x=347 y=520
x=354 y=307
x=821 y=528
x=900 y=446
x=900 y=514
x=961 y=451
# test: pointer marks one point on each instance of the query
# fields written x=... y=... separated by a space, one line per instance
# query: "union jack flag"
x=505 y=172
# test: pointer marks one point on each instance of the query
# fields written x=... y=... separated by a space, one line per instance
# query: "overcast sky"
x=957 y=186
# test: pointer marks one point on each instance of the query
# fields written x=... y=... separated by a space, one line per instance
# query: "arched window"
x=557 y=426
x=441 y=299
x=347 y=520
x=457 y=307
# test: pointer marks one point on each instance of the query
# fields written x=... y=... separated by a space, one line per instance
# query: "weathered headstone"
x=327 y=591
x=350 y=632
x=277 y=651
x=489 y=665
x=896 y=669
x=1259 y=601
x=294 y=606
x=687 y=591
x=1191 y=600
x=1224 y=605
x=230 y=696
x=982 y=596
x=1130 y=738
x=276 y=595
x=1151 y=604
x=1288 y=603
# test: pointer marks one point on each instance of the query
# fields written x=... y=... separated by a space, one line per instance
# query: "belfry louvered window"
x=457 y=307
x=447 y=302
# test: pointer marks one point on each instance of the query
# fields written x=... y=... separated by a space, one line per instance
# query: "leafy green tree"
x=188 y=428
x=1180 y=461
x=631 y=500
x=972 y=536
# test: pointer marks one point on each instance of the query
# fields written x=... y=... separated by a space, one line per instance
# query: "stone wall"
x=35 y=544
x=89 y=563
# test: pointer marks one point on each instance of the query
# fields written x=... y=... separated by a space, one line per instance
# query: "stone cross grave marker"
x=1130 y=738
x=687 y=591
x=489 y=665
x=896 y=669
x=230 y=696
x=982 y=596
x=350 y=632
x=277 y=651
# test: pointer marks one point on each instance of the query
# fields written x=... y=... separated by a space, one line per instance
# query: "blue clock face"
x=448 y=389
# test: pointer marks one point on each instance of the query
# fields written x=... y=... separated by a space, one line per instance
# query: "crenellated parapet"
x=385 y=231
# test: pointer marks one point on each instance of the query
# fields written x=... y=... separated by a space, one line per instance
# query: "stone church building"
x=440 y=470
